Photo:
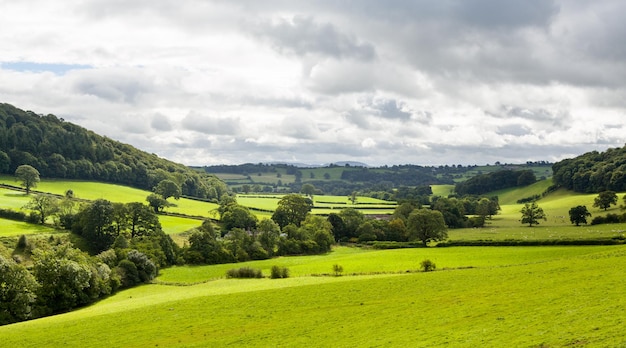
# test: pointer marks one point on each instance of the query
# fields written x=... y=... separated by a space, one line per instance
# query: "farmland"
x=539 y=296
x=533 y=296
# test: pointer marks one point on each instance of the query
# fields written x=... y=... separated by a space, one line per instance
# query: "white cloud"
x=205 y=82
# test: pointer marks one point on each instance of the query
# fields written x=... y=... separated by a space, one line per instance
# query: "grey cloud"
x=561 y=119
x=302 y=36
x=514 y=129
x=160 y=122
x=197 y=122
x=389 y=108
x=112 y=84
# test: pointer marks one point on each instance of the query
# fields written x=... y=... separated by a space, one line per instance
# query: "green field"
x=322 y=205
x=514 y=297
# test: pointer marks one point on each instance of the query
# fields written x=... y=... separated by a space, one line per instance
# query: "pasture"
x=531 y=297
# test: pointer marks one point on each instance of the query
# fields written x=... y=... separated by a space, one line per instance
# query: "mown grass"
x=365 y=261
x=564 y=297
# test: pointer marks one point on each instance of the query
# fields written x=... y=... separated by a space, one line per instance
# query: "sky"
x=206 y=82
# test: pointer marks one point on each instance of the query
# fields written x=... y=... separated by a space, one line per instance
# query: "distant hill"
x=60 y=149
x=593 y=171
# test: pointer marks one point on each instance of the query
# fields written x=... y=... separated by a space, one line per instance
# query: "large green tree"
x=292 y=209
x=238 y=216
x=427 y=226
x=167 y=189
x=532 y=213
x=605 y=199
x=95 y=222
x=578 y=215
x=28 y=177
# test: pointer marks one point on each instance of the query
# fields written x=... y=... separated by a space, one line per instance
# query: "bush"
x=12 y=215
x=244 y=272
x=279 y=272
x=337 y=269
x=22 y=243
x=428 y=266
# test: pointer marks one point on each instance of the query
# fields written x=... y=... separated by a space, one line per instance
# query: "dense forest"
x=593 y=171
x=60 y=149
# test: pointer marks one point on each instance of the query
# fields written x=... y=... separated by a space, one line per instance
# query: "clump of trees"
x=62 y=277
x=481 y=184
x=593 y=172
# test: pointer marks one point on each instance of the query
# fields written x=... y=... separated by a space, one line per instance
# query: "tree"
x=238 y=216
x=17 y=292
x=167 y=189
x=292 y=209
x=308 y=189
x=157 y=202
x=605 y=199
x=268 y=235
x=426 y=225
x=28 y=176
x=44 y=204
x=142 y=221
x=95 y=224
x=531 y=214
x=578 y=215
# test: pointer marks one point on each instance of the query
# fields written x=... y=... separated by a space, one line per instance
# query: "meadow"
x=489 y=297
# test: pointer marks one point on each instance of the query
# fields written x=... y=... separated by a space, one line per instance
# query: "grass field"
x=323 y=205
x=514 y=297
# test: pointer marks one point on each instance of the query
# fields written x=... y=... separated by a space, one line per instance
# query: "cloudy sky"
x=382 y=82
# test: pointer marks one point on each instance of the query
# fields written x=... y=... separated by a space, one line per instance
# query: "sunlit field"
x=514 y=297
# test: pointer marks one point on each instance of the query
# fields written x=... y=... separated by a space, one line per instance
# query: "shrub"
x=244 y=272
x=12 y=215
x=279 y=272
x=22 y=243
x=428 y=266
x=337 y=269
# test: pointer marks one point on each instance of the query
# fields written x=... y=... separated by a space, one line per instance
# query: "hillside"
x=593 y=171
x=60 y=149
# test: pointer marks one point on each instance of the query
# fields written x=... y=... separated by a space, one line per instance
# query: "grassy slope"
x=570 y=296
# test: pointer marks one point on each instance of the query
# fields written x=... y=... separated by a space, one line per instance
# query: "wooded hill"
x=593 y=171
x=60 y=149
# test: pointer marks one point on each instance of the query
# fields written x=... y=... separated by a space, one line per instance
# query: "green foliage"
x=244 y=272
x=578 y=215
x=167 y=189
x=44 y=205
x=498 y=180
x=279 y=272
x=68 y=278
x=238 y=216
x=531 y=214
x=605 y=199
x=157 y=202
x=427 y=266
x=27 y=176
x=60 y=149
x=337 y=270
x=593 y=172
x=292 y=209
x=17 y=292
x=427 y=226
